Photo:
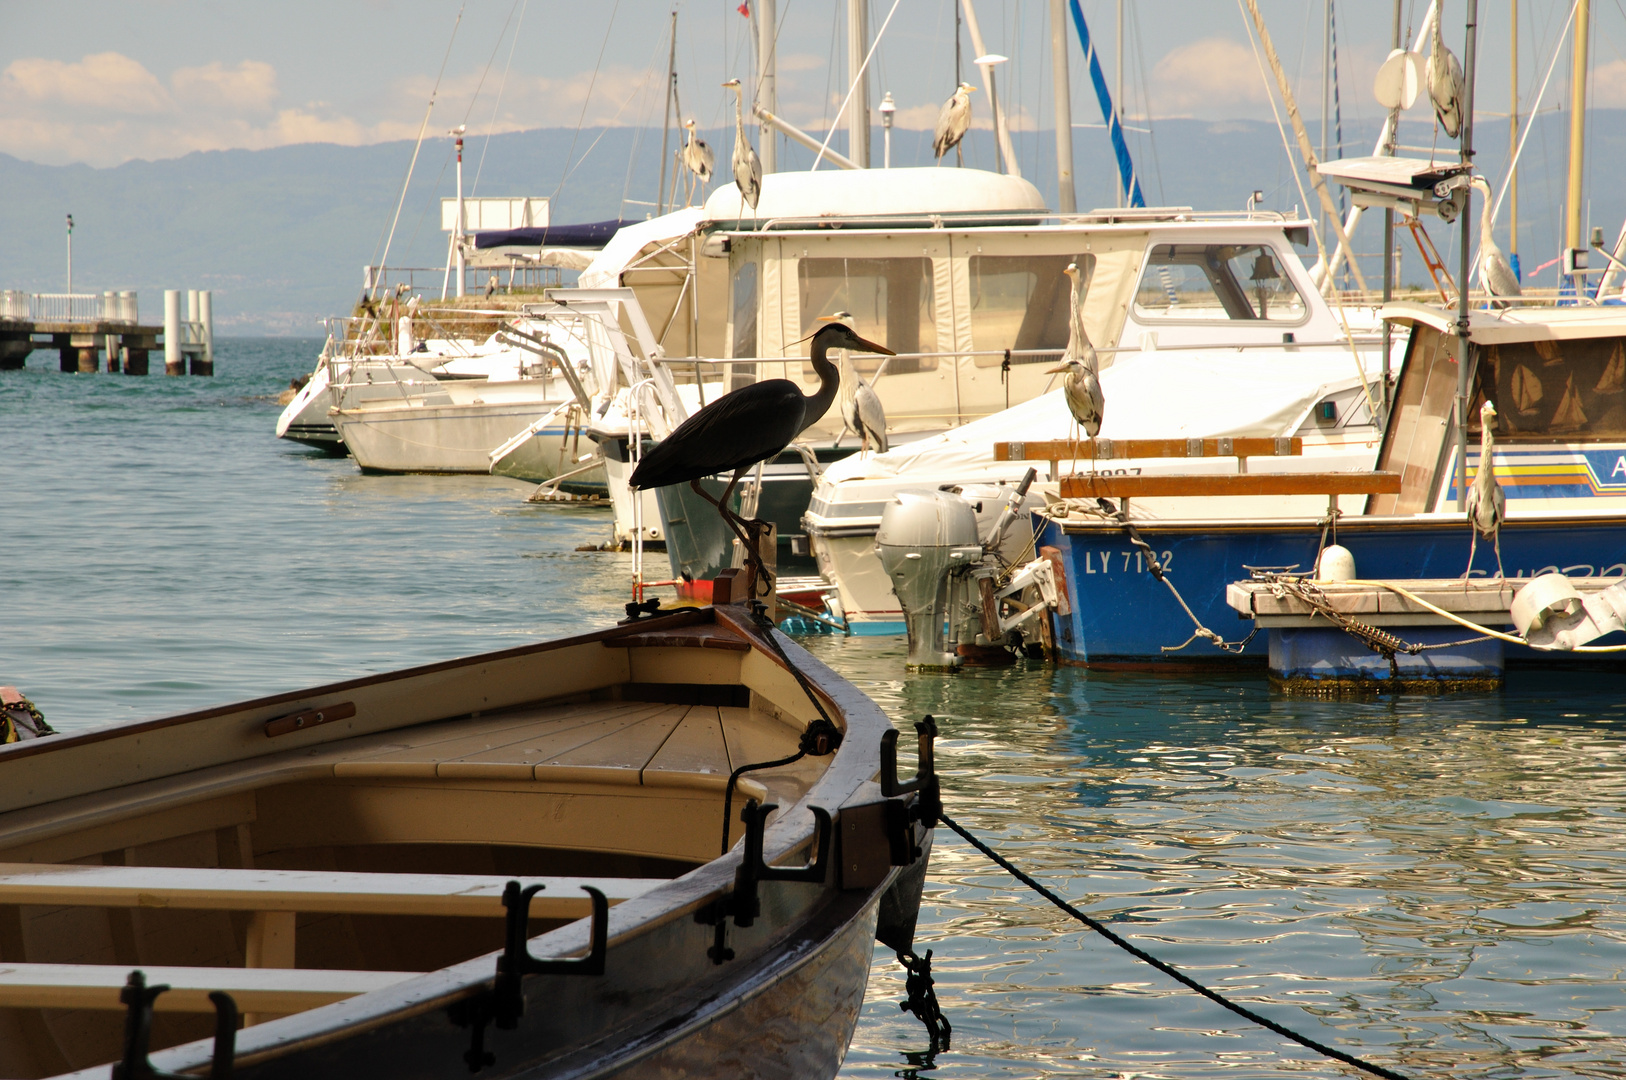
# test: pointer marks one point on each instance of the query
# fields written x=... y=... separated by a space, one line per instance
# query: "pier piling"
x=174 y=362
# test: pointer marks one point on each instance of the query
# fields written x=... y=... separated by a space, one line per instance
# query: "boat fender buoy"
x=1336 y=563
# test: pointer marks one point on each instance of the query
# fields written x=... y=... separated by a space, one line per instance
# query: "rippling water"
x=1434 y=884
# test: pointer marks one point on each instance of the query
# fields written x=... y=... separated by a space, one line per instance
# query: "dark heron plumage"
x=745 y=426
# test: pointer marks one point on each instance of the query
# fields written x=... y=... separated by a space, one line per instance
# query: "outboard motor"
x=924 y=539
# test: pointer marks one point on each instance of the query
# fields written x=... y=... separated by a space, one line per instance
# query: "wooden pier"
x=84 y=329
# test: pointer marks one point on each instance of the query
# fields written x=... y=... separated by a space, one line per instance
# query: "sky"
x=100 y=82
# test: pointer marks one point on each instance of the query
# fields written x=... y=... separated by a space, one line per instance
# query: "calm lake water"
x=1436 y=884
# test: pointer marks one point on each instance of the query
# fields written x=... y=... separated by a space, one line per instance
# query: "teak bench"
x=255 y=990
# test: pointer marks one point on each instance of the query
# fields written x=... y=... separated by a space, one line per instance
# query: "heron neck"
x=739 y=112
x=829 y=383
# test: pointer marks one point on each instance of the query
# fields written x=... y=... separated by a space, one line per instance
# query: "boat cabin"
x=960 y=272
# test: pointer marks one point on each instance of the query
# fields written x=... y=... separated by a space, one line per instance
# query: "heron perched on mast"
x=1486 y=503
x=954 y=121
x=747 y=167
x=1445 y=86
x=697 y=155
x=1495 y=272
x=745 y=426
x=861 y=409
x=1081 y=386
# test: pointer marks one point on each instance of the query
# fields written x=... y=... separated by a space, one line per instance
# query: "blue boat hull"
x=1121 y=616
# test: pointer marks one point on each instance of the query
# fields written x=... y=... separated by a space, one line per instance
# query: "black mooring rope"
x=1173 y=973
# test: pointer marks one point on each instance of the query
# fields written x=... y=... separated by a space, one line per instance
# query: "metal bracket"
x=516 y=962
x=744 y=904
x=138 y=997
x=928 y=805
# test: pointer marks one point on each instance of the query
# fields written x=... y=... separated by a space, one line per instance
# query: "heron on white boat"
x=954 y=121
x=861 y=409
x=1486 y=502
x=697 y=155
x=1081 y=385
x=1445 y=86
x=1495 y=272
x=747 y=167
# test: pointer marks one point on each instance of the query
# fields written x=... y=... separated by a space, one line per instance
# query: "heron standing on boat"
x=747 y=167
x=861 y=409
x=697 y=155
x=954 y=121
x=746 y=426
x=1495 y=272
x=1485 y=499
x=1081 y=385
x=1445 y=86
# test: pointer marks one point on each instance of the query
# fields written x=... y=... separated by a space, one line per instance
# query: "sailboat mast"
x=858 y=106
x=1470 y=53
x=1061 y=85
x=666 y=117
x=767 y=21
x=1513 y=145
x=1572 y=202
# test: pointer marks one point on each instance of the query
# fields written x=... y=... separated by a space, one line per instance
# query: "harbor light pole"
x=70 y=254
x=888 y=107
x=457 y=226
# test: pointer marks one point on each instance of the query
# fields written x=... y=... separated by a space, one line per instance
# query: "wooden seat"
x=1319 y=483
x=255 y=990
x=311 y=891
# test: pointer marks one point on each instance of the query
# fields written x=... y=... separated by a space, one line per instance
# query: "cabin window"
x=1554 y=391
x=1021 y=302
x=891 y=302
x=744 y=319
x=1217 y=283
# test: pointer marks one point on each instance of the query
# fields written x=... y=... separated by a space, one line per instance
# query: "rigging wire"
x=587 y=99
x=501 y=87
x=422 y=128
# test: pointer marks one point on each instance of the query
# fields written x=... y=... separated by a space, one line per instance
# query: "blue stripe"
x=1126 y=167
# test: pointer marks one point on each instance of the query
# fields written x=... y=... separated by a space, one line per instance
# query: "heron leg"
x=1473 y=544
x=1497 y=537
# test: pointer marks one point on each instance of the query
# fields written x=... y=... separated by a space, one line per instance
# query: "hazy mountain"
x=281 y=235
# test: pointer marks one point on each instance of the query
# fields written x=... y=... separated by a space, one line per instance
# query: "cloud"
x=1609 y=85
x=105 y=82
x=251 y=86
x=1208 y=77
x=107 y=108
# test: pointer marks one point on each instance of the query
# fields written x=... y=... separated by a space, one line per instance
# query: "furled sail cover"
x=591 y=234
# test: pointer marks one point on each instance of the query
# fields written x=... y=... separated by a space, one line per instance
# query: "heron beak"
x=871 y=347
x=1059 y=369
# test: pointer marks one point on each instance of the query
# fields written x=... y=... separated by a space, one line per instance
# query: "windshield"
x=1217 y=283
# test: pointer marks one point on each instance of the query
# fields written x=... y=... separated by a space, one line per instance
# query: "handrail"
x=1232 y=346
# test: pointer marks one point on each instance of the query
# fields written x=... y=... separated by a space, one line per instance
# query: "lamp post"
x=887 y=109
x=457 y=226
x=70 y=254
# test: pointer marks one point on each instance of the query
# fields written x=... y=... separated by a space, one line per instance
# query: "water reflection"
x=1433 y=883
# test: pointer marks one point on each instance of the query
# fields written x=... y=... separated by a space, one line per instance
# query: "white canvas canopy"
x=1149 y=395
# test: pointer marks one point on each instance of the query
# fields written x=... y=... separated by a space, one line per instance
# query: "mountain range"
x=281 y=235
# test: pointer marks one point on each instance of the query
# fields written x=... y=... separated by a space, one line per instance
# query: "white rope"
x=422 y=129
x=859 y=74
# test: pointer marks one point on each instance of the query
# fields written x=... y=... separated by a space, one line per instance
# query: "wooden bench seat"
x=311 y=891
x=1054 y=450
x=255 y=990
x=1086 y=486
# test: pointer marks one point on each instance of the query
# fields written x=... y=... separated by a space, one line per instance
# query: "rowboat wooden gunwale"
x=321 y=1036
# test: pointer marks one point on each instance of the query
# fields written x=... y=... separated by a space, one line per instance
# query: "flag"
x=745 y=8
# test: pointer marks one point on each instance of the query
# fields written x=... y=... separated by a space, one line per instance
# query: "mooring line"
x=1173 y=973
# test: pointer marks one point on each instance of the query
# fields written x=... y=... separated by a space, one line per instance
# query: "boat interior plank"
x=696 y=745
x=97 y=986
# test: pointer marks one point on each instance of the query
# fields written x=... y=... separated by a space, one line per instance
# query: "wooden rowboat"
x=342 y=862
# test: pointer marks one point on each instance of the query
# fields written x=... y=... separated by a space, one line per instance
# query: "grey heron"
x=1081 y=385
x=697 y=155
x=1486 y=502
x=861 y=409
x=954 y=121
x=747 y=167
x=1445 y=87
x=1495 y=272
x=745 y=426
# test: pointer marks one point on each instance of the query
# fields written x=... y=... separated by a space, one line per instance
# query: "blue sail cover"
x=590 y=234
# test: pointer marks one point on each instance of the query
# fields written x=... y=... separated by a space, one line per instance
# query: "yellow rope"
x=1487 y=631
